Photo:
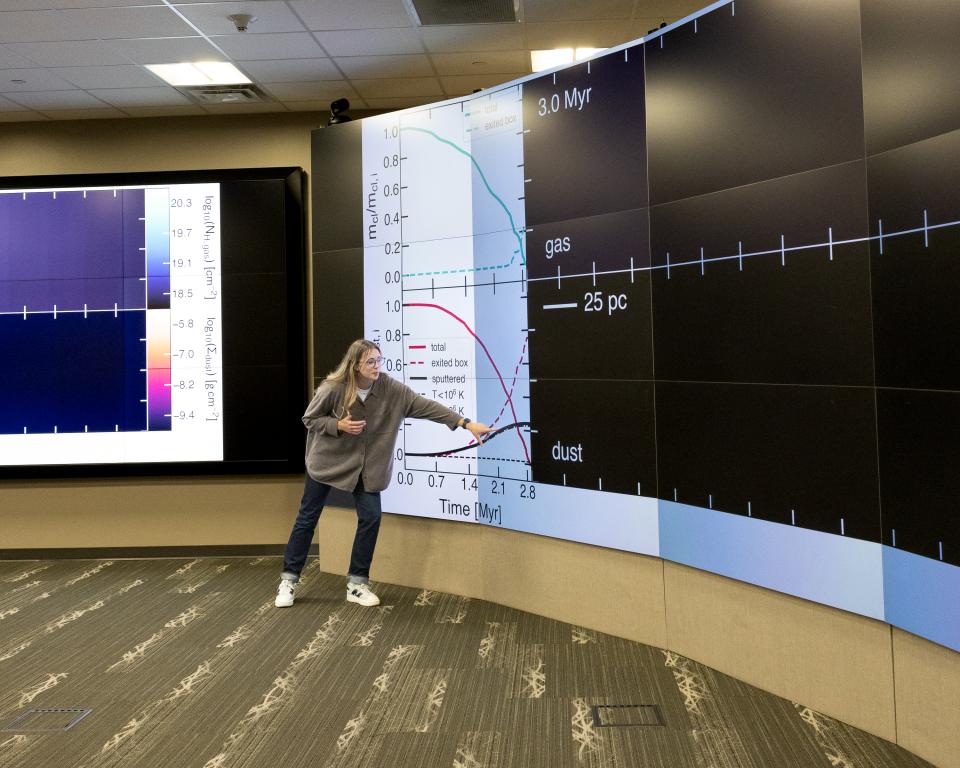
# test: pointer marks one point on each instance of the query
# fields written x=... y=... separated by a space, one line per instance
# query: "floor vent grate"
x=46 y=720
x=625 y=715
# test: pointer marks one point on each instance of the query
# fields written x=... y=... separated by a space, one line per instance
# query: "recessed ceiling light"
x=557 y=57
x=554 y=57
x=585 y=53
x=199 y=73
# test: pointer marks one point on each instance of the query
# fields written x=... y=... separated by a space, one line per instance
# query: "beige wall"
x=861 y=671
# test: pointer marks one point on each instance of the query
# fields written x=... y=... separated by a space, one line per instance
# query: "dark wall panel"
x=258 y=339
x=337 y=306
x=255 y=395
x=570 y=448
x=780 y=448
x=607 y=321
x=754 y=90
x=584 y=150
x=336 y=187
x=915 y=305
x=920 y=471
x=911 y=67
x=252 y=244
x=797 y=315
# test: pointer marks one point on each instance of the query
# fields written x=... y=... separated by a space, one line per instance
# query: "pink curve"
x=490 y=358
x=513 y=383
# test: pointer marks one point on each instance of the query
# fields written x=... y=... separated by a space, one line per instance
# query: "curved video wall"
x=702 y=286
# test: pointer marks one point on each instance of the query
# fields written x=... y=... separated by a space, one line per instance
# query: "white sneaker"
x=285 y=593
x=360 y=593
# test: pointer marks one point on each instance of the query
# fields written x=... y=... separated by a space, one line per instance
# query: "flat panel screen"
x=134 y=308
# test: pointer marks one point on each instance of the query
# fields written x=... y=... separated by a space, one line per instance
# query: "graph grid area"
x=97 y=286
x=446 y=285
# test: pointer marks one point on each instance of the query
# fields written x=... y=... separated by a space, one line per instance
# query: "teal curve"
x=493 y=194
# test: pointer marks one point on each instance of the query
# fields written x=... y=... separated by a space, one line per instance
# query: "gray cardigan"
x=340 y=459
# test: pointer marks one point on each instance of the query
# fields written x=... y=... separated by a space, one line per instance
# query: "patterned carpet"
x=187 y=663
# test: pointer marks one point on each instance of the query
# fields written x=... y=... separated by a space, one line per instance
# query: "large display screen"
x=703 y=313
x=125 y=309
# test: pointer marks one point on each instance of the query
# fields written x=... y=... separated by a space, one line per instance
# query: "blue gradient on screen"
x=921 y=595
x=613 y=520
x=835 y=570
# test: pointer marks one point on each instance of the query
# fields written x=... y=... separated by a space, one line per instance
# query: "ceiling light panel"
x=199 y=73
x=550 y=58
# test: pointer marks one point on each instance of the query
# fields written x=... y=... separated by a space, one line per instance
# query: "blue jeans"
x=364 y=542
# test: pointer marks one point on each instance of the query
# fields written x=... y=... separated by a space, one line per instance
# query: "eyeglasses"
x=373 y=362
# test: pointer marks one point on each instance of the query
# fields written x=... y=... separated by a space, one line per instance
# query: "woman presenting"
x=352 y=425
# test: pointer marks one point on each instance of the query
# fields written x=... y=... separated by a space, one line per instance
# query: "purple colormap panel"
x=71 y=249
x=36 y=295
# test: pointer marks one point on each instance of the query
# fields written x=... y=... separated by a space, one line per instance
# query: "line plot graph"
x=444 y=190
x=445 y=285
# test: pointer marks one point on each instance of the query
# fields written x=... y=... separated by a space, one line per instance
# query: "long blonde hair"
x=346 y=373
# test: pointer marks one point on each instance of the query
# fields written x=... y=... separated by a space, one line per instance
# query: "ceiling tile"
x=460 y=85
x=411 y=86
x=373 y=46
x=77 y=53
x=90 y=24
x=364 y=42
x=481 y=62
x=6 y=104
x=167 y=111
x=47 y=100
x=36 y=80
x=598 y=34
x=166 y=50
x=295 y=45
x=211 y=18
x=32 y=5
x=473 y=37
x=125 y=76
x=319 y=90
x=412 y=65
x=323 y=106
x=10 y=58
x=576 y=10
x=291 y=70
x=671 y=10
x=352 y=14
x=20 y=116
x=82 y=114
x=394 y=102
x=140 y=97
x=235 y=109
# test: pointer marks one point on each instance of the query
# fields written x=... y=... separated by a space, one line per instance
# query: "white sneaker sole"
x=282 y=603
x=366 y=602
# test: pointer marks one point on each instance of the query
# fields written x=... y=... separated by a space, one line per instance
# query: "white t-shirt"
x=362 y=393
